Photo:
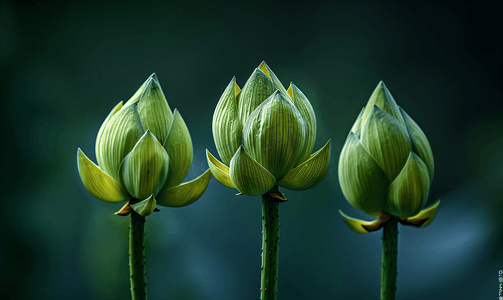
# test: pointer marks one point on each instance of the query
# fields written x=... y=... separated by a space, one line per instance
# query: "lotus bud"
x=265 y=135
x=386 y=165
x=144 y=151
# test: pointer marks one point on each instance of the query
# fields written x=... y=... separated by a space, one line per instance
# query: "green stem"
x=389 y=259
x=270 y=249
x=137 y=257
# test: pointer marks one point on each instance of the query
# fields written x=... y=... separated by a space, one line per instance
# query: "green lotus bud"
x=265 y=135
x=144 y=150
x=386 y=165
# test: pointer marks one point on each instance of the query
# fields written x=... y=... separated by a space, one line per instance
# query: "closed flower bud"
x=386 y=165
x=144 y=151
x=264 y=135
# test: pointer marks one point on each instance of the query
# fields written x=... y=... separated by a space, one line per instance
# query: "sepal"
x=310 y=173
x=99 y=183
x=219 y=170
x=186 y=193
x=145 y=207
x=428 y=213
x=355 y=224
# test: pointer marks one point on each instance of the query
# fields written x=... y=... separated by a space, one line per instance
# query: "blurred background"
x=65 y=65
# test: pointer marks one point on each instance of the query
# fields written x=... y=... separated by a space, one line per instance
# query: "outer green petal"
x=357 y=126
x=143 y=172
x=362 y=180
x=275 y=135
x=102 y=129
x=310 y=173
x=409 y=192
x=219 y=170
x=136 y=97
x=178 y=145
x=420 y=144
x=275 y=80
x=387 y=141
x=381 y=97
x=184 y=194
x=118 y=138
x=429 y=213
x=227 y=127
x=256 y=89
x=306 y=111
x=154 y=110
x=355 y=224
x=145 y=207
x=249 y=177
x=98 y=183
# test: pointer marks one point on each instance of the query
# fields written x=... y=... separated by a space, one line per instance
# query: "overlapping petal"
x=275 y=80
x=362 y=180
x=408 y=193
x=357 y=126
x=117 y=139
x=301 y=102
x=382 y=98
x=249 y=176
x=227 y=127
x=178 y=145
x=154 y=111
x=387 y=141
x=103 y=126
x=256 y=89
x=145 y=169
x=275 y=134
x=420 y=144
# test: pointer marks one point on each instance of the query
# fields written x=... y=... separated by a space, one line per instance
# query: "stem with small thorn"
x=270 y=248
x=137 y=257
x=389 y=259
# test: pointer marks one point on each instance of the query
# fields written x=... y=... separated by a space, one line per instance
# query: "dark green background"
x=65 y=64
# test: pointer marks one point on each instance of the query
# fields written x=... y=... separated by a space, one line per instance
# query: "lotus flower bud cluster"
x=264 y=135
x=144 y=152
x=386 y=165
